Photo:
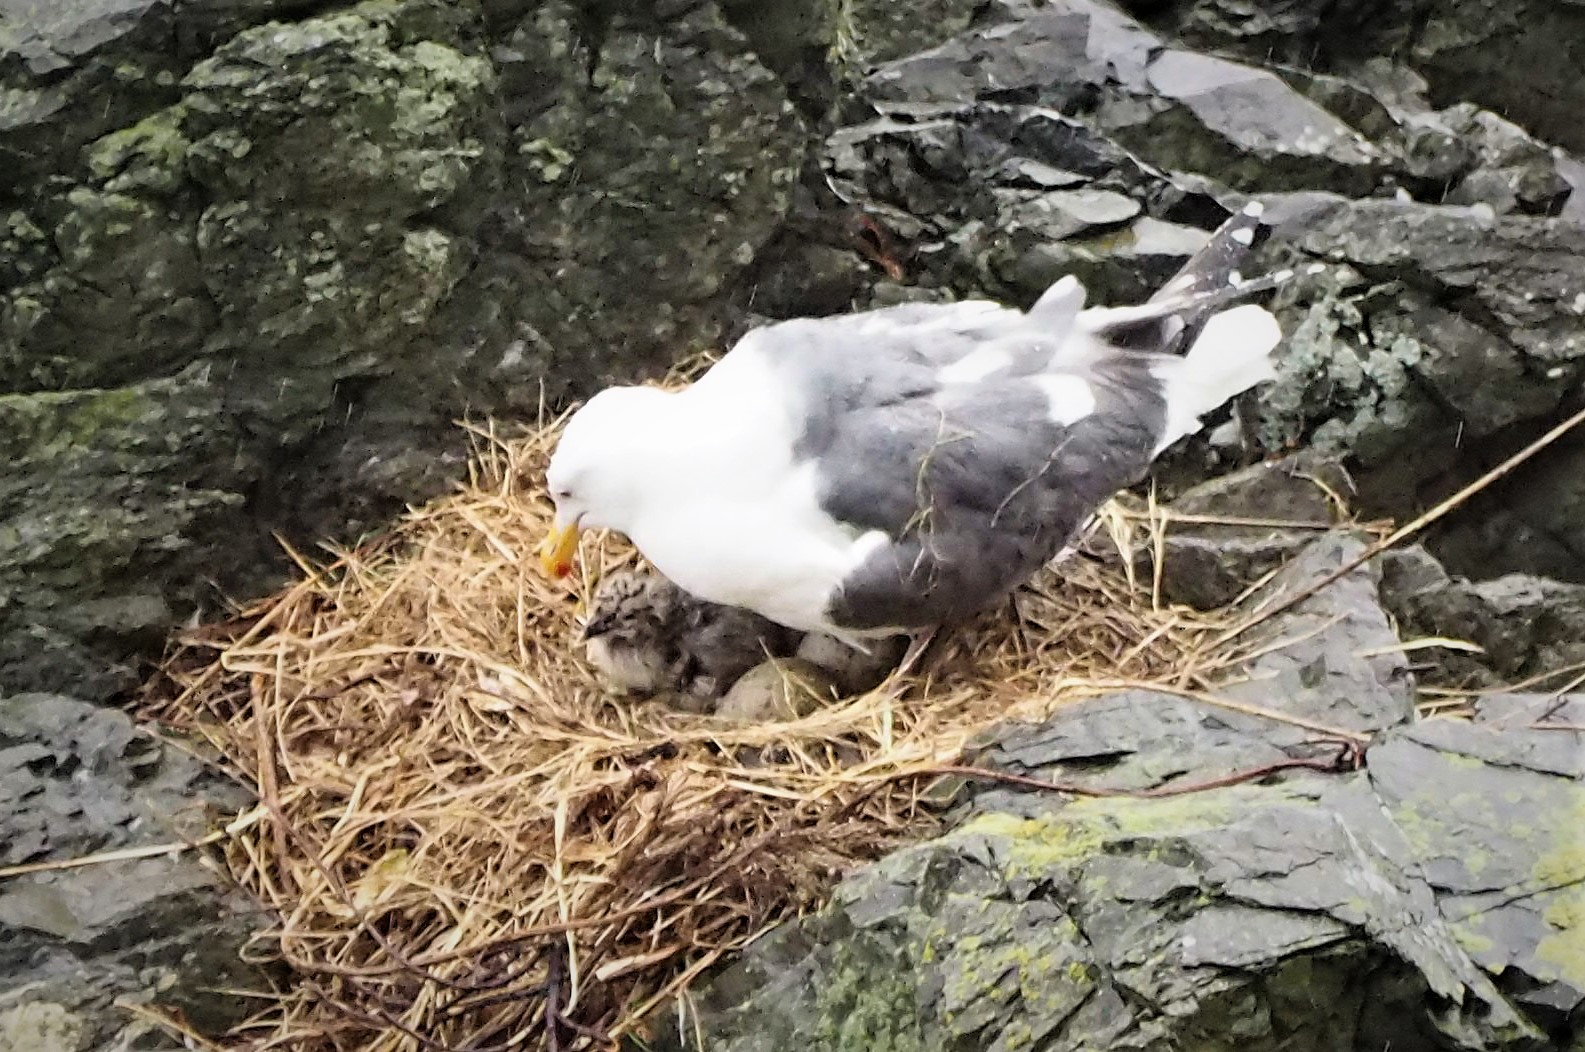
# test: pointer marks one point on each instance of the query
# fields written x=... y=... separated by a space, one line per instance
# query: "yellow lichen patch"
x=1563 y=869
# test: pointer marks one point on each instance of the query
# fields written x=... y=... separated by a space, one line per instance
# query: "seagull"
x=896 y=470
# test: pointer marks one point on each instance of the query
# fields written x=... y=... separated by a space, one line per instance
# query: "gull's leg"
x=918 y=643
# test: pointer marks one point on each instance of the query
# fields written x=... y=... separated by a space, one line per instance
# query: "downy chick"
x=647 y=636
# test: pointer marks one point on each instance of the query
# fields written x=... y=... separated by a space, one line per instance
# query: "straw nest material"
x=460 y=835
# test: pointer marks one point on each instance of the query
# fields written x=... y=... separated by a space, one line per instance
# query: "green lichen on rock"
x=359 y=110
x=1512 y=888
x=874 y=31
x=108 y=491
x=1251 y=917
x=186 y=310
x=868 y=1005
x=652 y=169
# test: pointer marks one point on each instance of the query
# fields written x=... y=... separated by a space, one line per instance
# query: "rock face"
x=1429 y=901
x=253 y=292
x=256 y=256
x=1515 y=58
x=76 y=780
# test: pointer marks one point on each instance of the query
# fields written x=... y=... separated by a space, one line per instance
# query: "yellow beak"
x=558 y=549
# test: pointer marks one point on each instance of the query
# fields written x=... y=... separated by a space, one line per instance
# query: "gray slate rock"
x=1440 y=345
x=1334 y=657
x=1430 y=901
x=1525 y=626
x=1493 y=812
x=76 y=780
x=1208 y=564
x=1517 y=59
x=1069 y=139
x=1259 y=918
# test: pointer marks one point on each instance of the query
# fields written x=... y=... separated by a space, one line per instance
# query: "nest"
x=465 y=842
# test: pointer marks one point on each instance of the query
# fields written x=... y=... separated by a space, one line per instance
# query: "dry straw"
x=463 y=839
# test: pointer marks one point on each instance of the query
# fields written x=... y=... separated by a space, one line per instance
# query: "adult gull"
x=899 y=469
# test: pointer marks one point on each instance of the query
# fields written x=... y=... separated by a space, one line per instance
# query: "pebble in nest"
x=645 y=635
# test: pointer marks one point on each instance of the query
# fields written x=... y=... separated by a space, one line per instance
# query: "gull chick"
x=645 y=635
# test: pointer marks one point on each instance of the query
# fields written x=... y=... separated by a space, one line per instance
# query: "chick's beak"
x=557 y=550
x=596 y=626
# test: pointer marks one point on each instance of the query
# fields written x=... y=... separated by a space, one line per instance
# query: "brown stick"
x=1328 y=764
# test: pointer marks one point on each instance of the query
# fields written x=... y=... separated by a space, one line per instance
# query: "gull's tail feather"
x=1231 y=354
x=1208 y=269
x=1211 y=280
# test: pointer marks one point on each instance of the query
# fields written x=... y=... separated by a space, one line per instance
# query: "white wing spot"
x=1070 y=397
x=1254 y=210
x=1246 y=236
x=974 y=366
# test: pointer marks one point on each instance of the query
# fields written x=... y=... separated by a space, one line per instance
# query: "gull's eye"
x=561 y=494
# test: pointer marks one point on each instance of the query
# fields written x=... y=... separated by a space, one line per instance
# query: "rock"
x=880 y=31
x=1511 y=58
x=1331 y=660
x=1209 y=564
x=166 y=929
x=1428 y=901
x=1437 y=349
x=1490 y=811
x=1525 y=626
x=1529 y=523
x=777 y=690
x=1123 y=924
x=1333 y=657
x=107 y=494
x=1174 y=108
x=73 y=70
x=972 y=189
x=1069 y=139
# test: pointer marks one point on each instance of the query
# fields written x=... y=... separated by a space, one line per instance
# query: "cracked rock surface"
x=77 y=943
x=1429 y=900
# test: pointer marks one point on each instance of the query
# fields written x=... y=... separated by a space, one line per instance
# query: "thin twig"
x=1329 y=764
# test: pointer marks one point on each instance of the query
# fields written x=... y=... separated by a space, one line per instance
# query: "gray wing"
x=974 y=483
